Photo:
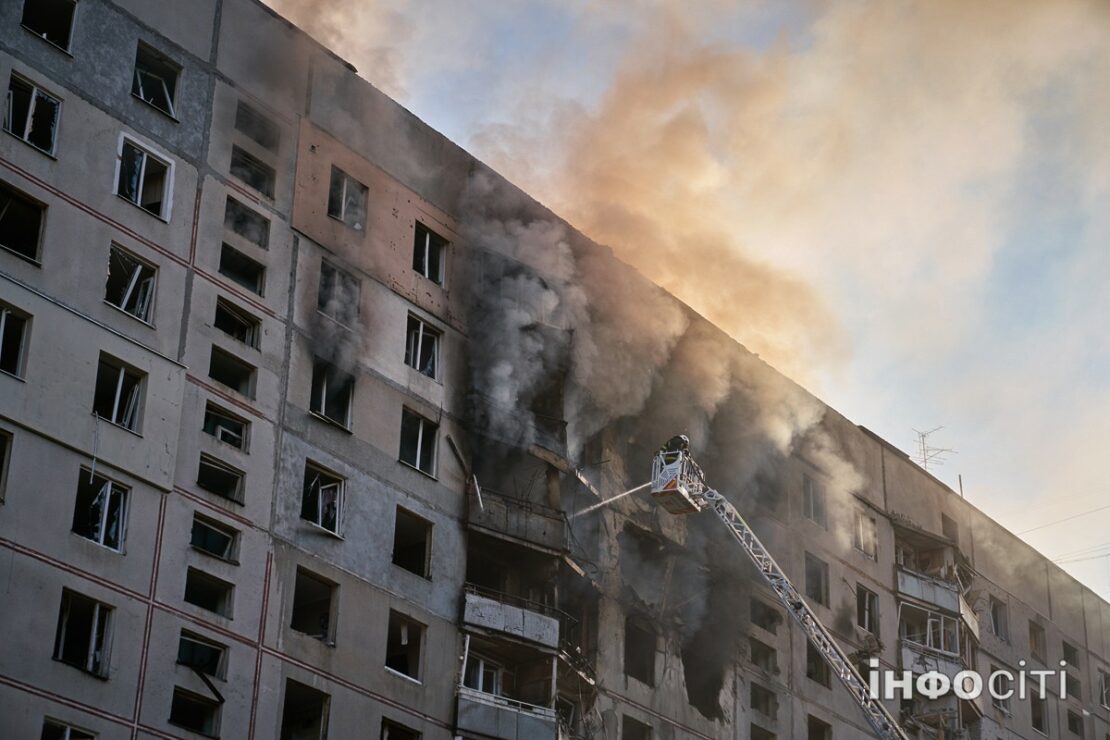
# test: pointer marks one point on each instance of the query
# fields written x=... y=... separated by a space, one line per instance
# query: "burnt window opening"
x=867 y=610
x=242 y=270
x=763 y=656
x=220 y=479
x=304 y=713
x=817 y=668
x=764 y=701
x=765 y=616
x=1071 y=653
x=237 y=323
x=403 y=645
x=82 y=636
x=418 y=442
x=394 y=731
x=144 y=179
x=117 y=397
x=155 y=79
x=817 y=580
x=428 y=251
x=632 y=729
x=195 y=713
x=257 y=127
x=208 y=592
x=130 y=284
x=20 y=223
x=339 y=294
x=322 y=498
x=100 y=511
x=1038 y=708
x=32 y=114
x=1000 y=619
x=813 y=501
x=225 y=426
x=865 y=534
x=247 y=223
x=226 y=368
x=347 y=199
x=13 y=336
x=252 y=171
x=639 y=649
x=412 y=543
x=422 y=347
x=213 y=538
x=758 y=733
x=54 y=730
x=194 y=651
x=51 y=20
x=332 y=392
x=817 y=729
x=1075 y=723
x=314 y=606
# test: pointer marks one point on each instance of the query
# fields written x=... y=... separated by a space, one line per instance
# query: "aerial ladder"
x=678 y=485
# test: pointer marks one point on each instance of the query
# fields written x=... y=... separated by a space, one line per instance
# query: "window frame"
x=824 y=597
x=15 y=194
x=221 y=667
x=420 y=439
x=253 y=325
x=814 y=503
x=69 y=36
x=332 y=275
x=341 y=215
x=149 y=152
x=138 y=85
x=152 y=294
x=322 y=372
x=429 y=233
x=414 y=350
x=36 y=92
x=133 y=408
x=253 y=163
x=231 y=555
x=114 y=488
x=7 y=441
x=217 y=411
x=218 y=464
x=213 y=704
x=97 y=657
x=870 y=609
x=865 y=534
x=68 y=729
x=334 y=480
x=8 y=311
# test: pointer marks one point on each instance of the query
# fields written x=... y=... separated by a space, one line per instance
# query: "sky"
x=905 y=206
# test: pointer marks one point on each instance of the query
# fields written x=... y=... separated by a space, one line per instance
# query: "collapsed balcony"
x=507 y=690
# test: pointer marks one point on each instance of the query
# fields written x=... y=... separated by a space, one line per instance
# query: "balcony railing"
x=527 y=522
x=938 y=592
x=513 y=615
x=489 y=715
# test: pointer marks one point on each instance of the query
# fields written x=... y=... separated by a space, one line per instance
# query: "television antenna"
x=926 y=453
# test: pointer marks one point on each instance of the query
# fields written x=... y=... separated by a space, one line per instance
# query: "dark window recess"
x=339 y=294
x=813 y=501
x=304 y=715
x=20 y=223
x=237 y=323
x=412 y=542
x=241 y=269
x=13 y=331
x=257 y=127
x=322 y=498
x=1075 y=723
x=949 y=528
x=82 y=634
x=219 y=478
x=225 y=427
x=5 y=459
x=632 y=729
x=208 y=592
x=331 y=393
x=1071 y=654
x=130 y=285
x=393 y=731
x=313 y=605
x=252 y=171
x=196 y=652
x=418 y=442
x=347 y=199
x=231 y=371
x=867 y=610
x=765 y=616
x=639 y=650
x=118 y=393
x=758 y=733
x=155 y=80
x=427 y=253
x=764 y=701
x=422 y=347
x=1037 y=641
x=50 y=19
x=194 y=712
x=100 y=512
x=213 y=538
x=247 y=223
x=817 y=580
x=817 y=729
x=817 y=669
x=403 y=640
x=143 y=179
x=52 y=730
x=763 y=656
x=1038 y=709
x=32 y=115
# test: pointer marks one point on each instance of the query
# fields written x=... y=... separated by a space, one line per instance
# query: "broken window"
x=332 y=390
x=32 y=115
x=428 y=252
x=763 y=656
x=118 y=394
x=304 y=715
x=817 y=729
x=213 y=538
x=813 y=501
x=999 y=619
x=155 y=80
x=202 y=654
x=237 y=323
x=483 y=674
x=817 y=668
x=817 y=580
x=422 y=347
x=225 y=426
x=929 y=629
x=1104 y=688
x=339 y=294
x=194 y=712
x=100 y=512
x=632 y=729
x=220 y=478
x=20 y=223
x=402 y=653
x=764 y=615
x=764 y=701
x=81 y=639
x=1001 y=686
x=393 y=731
x=50 y=19
x=1075 y=723
x=347 y=199
x=241 y=269
x=252 y=171
x=13 y=334
x=313 y=605
x=144 y=179
x=208 y=592
x=247 y=223
x=1038 y=707
x=412 y=542
x=758 y=733
x=867 y=610
x=639 y=649
x=418 y=442
x=257 y=127
x=865 y=534
x=130 y=285
x=228 y=369
x=54 y=730
x=322 y=498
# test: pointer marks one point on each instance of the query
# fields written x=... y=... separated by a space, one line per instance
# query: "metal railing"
x=520 y=602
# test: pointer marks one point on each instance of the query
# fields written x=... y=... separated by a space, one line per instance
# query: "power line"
x=1065 y=519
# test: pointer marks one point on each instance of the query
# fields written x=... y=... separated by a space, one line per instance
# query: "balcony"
x=488 y=715
x=507 y=690
x=935 y=591
x=521 y=521
x=511 y=615
x=922 y=659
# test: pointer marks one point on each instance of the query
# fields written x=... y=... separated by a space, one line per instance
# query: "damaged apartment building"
x=303 y=411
